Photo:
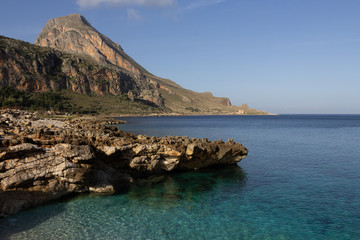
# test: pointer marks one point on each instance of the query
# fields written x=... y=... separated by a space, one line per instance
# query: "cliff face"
x=74 y=34
x=33 y=68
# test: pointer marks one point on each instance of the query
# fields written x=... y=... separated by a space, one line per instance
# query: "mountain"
x=74 y=34
x=73 y=57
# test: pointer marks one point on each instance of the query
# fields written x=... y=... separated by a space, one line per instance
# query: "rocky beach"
x=45 y=159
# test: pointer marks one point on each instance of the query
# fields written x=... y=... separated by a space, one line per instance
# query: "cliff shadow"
x=147 y=102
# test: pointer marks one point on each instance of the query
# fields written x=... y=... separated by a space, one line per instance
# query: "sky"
x=281 y=56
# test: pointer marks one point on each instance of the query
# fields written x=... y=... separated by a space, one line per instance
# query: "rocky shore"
x=44 y=159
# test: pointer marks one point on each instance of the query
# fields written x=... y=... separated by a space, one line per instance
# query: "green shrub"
x=11 y=97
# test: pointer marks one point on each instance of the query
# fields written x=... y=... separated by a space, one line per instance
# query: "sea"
x=300 y=180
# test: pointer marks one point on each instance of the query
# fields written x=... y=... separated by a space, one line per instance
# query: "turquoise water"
x=300 y=181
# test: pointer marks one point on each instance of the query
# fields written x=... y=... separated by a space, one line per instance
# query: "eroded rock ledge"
x=42 y=159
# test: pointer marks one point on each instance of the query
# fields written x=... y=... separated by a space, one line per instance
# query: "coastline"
x=184 y=115
x=117 y=116
x=44 y=159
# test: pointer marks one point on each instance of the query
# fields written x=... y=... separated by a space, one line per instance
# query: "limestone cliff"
x=34 y=68
x=73 y=33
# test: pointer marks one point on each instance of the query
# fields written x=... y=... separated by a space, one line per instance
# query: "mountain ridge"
x=80 y=59
x=57 y=30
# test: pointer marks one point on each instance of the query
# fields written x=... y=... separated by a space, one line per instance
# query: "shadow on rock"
x=169 y=190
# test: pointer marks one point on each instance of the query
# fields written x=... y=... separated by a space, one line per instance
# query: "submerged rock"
x=41 y=162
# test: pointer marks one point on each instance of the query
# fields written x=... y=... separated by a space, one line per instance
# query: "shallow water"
x=300 y=181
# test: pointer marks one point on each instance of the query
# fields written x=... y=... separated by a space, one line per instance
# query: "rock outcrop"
x=42 y=159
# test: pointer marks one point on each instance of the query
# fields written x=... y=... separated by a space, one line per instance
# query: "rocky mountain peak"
x=76 y=20
x=56 y=27
x=74 y=34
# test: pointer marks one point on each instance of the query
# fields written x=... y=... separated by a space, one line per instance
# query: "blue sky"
x=282 y=56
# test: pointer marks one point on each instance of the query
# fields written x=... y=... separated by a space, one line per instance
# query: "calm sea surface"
x=301 y=180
